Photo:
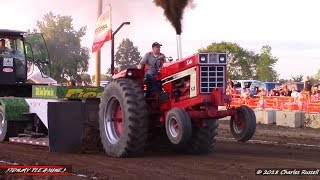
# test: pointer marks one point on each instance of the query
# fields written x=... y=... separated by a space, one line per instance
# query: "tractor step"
x=28 y=113
x=32 y=135
x=29 y=140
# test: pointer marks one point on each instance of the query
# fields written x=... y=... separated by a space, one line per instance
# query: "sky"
x=290 y=27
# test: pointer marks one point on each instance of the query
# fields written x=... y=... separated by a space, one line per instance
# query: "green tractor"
x=59 y=117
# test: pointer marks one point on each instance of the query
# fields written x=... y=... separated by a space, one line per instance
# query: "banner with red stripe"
x=103 y=31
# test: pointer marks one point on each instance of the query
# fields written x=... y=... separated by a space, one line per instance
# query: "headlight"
x=222 y=58
x=203 y=58
x=129 y=73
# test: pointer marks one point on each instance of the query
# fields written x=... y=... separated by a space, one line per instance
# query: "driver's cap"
x=156 y=44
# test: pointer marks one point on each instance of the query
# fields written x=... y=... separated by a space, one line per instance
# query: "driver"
x=154 y=61
x=3 y=47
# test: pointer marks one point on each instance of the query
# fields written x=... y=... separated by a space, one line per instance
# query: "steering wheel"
x=159 y=64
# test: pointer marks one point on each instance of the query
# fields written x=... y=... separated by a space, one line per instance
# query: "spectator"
x=263 y=92
x=229 y=90
x=256 y=90
x=314 y=90
x=84 y=83
x=314 y=94
x=262 y=101
x=245 y=93
x=307 y=85
x=276 y=90
x=318 y=85
x=284 y=91
x=294 y=93
x=230 y=83
x=72 y=82
x=234 y=91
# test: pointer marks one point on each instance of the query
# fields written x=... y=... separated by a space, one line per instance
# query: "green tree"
x=68 y=57
x=103 y=77
x=37 y=53
x=281 y=81
x=313 y=79
x=241 y=62
x=265 y=65
x=317 y=76
x=127 y=55
x=297 y=78
x=86 y=77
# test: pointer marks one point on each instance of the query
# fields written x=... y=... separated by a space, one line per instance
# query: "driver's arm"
x=143 y=62
x=162 y=57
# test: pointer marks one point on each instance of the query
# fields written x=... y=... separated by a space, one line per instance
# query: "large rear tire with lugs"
x=123 y=118
x=4 y=134
x=203 y=139
x=244 y=127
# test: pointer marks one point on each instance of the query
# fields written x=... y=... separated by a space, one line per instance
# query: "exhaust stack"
x=179 y=51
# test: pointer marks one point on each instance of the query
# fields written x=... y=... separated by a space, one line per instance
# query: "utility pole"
x=98 y=53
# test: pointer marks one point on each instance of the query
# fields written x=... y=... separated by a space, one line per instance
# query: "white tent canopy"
x=39 y=79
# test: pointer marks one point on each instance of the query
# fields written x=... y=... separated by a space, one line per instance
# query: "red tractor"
x=192 y=90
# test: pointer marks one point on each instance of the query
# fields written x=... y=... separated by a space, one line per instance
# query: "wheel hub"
x=2 y=123
x=173 y=127
x=239 y=123
x=113 y=121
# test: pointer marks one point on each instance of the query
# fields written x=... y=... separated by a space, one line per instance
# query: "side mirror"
x=170 y=59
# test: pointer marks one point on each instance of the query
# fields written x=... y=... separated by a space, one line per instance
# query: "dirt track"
x=271 y=147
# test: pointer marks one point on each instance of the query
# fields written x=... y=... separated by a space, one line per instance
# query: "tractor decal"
x=179 y=75
x=193 y=85
x=83 y=93
x=70 y=92
x=44 y=91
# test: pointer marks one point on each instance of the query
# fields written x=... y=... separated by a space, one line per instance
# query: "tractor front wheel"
x=178 y=126
x=123 y=118
x=243 y=125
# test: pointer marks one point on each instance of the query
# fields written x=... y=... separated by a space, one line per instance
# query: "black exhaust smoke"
x=173 y=10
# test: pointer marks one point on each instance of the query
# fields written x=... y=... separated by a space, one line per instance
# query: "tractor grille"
x=212 y=77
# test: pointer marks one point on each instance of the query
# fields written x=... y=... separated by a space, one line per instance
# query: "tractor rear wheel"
x=244 y=126
x=6 y=127
x=123 y=118
x=203 y=139
x=3 y=125
x=178 y=126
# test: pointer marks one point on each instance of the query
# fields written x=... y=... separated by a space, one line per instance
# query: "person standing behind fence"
x=294 y=94
x=307 y=85
x=230 y=83
x=284 y=91
x=318 y=86
x=263 y=93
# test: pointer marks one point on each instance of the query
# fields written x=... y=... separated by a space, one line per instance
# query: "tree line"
x=71 y=60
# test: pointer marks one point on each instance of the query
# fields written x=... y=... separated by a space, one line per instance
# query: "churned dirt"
x=271 y=147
